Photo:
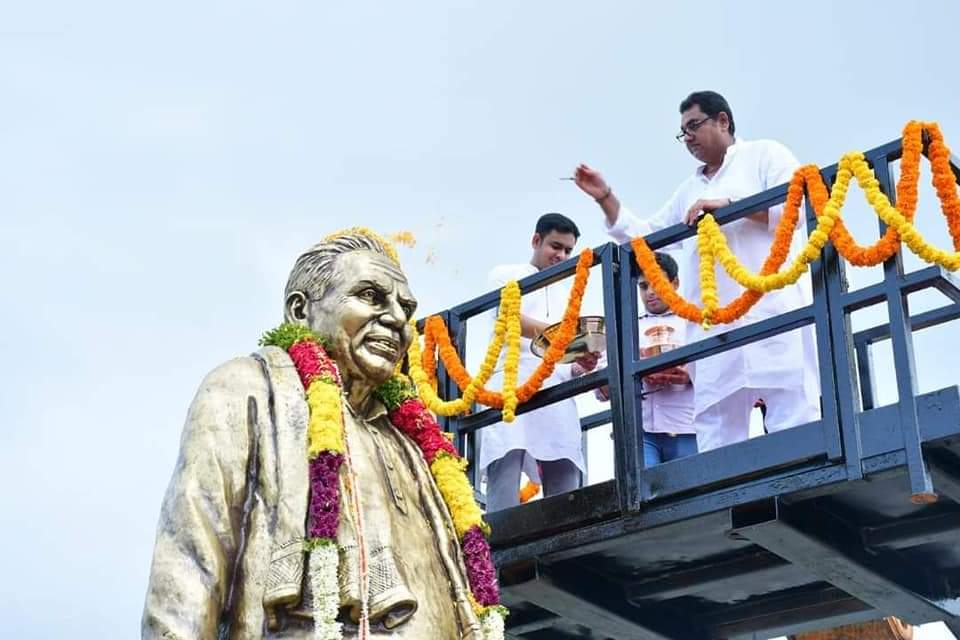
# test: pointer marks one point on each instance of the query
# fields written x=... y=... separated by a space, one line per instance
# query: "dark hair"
x=711 y=103
x=556 y=222
x=668 y=264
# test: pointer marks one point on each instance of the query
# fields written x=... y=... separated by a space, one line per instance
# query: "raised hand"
x=590 y=182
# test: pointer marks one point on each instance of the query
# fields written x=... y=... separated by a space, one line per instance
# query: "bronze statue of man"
x=230 y=559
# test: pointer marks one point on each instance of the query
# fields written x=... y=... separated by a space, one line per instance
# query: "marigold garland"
x=511 y=362
x=422 y=380
x=326 y=447
x=430 y=357
x=712 y=244
x=509 y=299
x=560 y=340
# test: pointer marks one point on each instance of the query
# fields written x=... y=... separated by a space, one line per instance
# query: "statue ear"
x=295 y=308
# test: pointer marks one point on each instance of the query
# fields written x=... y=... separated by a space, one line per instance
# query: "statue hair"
x=315 y=268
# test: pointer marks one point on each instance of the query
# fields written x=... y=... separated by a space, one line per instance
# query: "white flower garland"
x=324 y=563
x=492 y=625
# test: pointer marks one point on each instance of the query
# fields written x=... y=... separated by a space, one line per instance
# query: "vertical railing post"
x=901 y=337
x=448 y=387
x=868 y=390
x=841 y=358
x=628 y=430
x=829 y=398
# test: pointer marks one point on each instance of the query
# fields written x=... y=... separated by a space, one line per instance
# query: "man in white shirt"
x=665 y=398
x=780 y=370
x=549 y=436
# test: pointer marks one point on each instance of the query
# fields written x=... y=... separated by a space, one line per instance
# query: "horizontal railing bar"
x=723 y=342
x=908 y=283
x=918 y=322
x=596 y=420
x=562 y=391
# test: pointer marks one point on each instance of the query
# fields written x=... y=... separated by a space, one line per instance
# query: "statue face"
x=364 y=311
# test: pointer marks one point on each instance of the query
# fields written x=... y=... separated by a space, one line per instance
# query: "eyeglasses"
x=691 y=128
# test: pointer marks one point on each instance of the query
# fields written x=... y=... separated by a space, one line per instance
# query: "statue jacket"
x=229 y=554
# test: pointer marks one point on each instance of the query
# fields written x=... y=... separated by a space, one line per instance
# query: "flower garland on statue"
x=435 y=331
x=712 y=244
x=327 y=449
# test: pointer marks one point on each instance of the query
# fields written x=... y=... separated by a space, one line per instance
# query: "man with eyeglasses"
x=780 y=370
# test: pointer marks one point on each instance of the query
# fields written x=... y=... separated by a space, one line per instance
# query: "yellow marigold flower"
x=405 y=238
x=325 y=428
x=457 y=493
x=819 y=238
x=391 y=250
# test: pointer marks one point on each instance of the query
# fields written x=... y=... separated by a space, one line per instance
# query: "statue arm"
x=200 y=522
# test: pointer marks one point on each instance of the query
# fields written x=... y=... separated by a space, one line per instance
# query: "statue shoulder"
x=221 y=402
x=244 y=375
x=222 y=408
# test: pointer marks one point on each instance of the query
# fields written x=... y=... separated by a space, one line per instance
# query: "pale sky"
x=161 y=166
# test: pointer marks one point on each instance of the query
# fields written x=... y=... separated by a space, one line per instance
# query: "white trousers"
x=728 y=420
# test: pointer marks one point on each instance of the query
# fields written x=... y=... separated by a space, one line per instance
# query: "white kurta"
x=550 y=433
x=780 y=362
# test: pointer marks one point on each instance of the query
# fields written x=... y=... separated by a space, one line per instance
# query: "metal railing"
x=844 y=367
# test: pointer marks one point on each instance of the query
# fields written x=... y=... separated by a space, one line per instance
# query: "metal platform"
x=850 y=518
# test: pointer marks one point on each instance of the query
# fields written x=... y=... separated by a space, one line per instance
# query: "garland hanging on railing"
x=712 y=244
x=423 y=365
x=713 y=247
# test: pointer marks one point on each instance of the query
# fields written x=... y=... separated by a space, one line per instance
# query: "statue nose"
x=393 y=315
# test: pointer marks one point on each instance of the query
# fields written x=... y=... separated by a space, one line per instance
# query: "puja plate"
x=590 y=338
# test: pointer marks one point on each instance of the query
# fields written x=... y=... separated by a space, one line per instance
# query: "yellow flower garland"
x=449 y=472
x=509 y=316
x=511 y=364
x=325 y=430
x=852 y=165
x=892 y=216
x=708 y=278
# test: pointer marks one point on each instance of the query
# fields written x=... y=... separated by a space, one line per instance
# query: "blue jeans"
x=662 y=447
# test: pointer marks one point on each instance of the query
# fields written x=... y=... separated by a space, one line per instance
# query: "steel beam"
x=913 y=532
x=549 y=596
x=791 y=611
x=573 y=599
x=946 y=481
x=522 y=623
x=880 y=582
x=689 y=581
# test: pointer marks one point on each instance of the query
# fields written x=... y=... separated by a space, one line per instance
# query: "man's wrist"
x=606 y=194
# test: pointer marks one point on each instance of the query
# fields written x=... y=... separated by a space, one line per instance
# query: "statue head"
x=350 y=289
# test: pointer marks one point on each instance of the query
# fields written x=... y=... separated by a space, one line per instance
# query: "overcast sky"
x=162 y=164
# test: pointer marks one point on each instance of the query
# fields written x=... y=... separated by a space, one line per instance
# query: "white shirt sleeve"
x=777 y=165
x=628 y=225
x=499 y=276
